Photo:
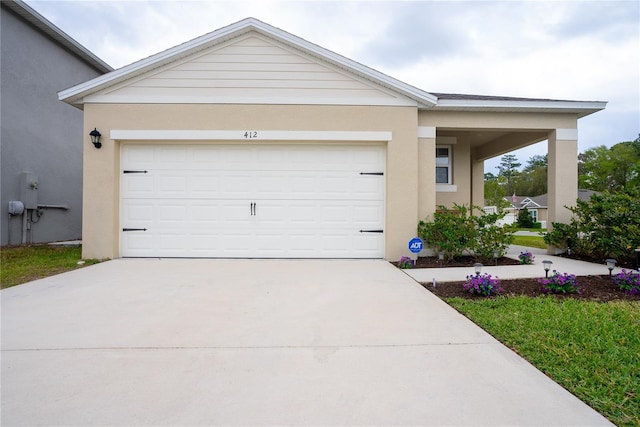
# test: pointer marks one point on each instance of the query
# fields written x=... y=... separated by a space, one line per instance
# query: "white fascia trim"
x=446 y=188
x=110 y=99
x=566 y=134
x=248 y=135
x=426 y=131
x=453 y=104
x=72 y=94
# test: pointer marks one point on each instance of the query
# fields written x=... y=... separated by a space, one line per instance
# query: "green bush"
x=607 y=226
x=456 y=230
x=524 y=219
x=537 y=225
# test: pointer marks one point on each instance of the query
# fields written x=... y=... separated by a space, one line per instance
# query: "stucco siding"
x=39 y=134
x=101 y=186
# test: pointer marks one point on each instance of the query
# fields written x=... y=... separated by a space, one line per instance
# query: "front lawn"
x=530 y=241
x=21 y=264
x=590 y=348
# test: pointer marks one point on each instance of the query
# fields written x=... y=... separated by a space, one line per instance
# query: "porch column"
x=562 y=179
x=477 y=183
x=426 y=172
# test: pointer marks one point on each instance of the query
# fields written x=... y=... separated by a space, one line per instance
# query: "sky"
x=567 y=50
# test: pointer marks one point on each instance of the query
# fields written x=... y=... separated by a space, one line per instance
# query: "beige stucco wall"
x=468 y=161
x=461 y=177
x=466 y=120
x=101 y=166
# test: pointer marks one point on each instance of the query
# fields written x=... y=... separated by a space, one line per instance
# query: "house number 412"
x=251 y=134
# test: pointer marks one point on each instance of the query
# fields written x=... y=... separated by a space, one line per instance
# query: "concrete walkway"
x=259 y=342
x=562 y=265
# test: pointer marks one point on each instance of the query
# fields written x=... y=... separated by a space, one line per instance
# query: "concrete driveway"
x=259 y=342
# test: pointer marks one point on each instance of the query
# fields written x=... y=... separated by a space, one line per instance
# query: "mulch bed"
x=595 y=288
x=463 y=261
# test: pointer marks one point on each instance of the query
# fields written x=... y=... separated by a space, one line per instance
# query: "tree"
x=533 y=178
x=614 y=169
x=524 y=219
x=494 y=192
x=508 y=169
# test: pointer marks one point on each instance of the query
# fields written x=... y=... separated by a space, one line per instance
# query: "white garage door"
x=265 y=201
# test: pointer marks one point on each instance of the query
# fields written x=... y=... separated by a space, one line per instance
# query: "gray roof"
x=542 y=201
x=41 y=23
x=461 y=96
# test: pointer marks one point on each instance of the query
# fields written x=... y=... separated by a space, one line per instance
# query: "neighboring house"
x=538 y=207
x=252 y=142
x=40 y=137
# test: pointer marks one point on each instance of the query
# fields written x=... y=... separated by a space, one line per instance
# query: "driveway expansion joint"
x=276 y=347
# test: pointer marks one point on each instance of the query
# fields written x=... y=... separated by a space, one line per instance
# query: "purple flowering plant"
x=560 y=284
x=526 y=257
x=628 y=281
x=406 y=262
x=484 y=285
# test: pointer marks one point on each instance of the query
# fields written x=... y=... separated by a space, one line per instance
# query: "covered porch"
x=469 y=130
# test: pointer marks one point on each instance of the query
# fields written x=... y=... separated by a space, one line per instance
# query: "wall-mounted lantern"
x=95 y=138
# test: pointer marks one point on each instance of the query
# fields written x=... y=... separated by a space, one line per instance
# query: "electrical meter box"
x=29 y=190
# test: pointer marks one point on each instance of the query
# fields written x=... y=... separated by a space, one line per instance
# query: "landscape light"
x=547 y=266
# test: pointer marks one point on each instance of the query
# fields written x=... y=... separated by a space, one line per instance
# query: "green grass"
x=530 y=241
x=590 y=348
x=535 y=230
x=22 y=264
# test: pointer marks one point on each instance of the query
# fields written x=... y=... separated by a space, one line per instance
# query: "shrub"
x=456 y=230
x=450 y=231
x=560 y=284
x=537 y=225
x=524 y=219
x=405 y=262
x=526 y=257
x=484 y=285
x=628 y=281
x=607 y=226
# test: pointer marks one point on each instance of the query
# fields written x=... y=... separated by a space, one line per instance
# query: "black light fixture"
x=611 y=263
x=478 y=268
x=547 y=266
x=95 y=138
x=495 y=255
x=440 y=258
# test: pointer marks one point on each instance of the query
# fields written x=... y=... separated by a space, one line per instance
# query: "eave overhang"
x=75 y=95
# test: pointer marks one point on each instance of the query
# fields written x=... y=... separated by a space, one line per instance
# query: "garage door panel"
x=275 y=201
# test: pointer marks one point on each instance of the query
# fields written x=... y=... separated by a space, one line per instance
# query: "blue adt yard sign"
x=415 y=245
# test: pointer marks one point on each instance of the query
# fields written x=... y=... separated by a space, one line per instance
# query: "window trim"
x=449 y=164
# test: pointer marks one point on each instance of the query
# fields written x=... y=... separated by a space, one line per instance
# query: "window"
x=534 y=215
x=443 y=165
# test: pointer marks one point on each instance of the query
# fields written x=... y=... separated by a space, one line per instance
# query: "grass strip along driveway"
x=590 y=348
x=21 y=264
